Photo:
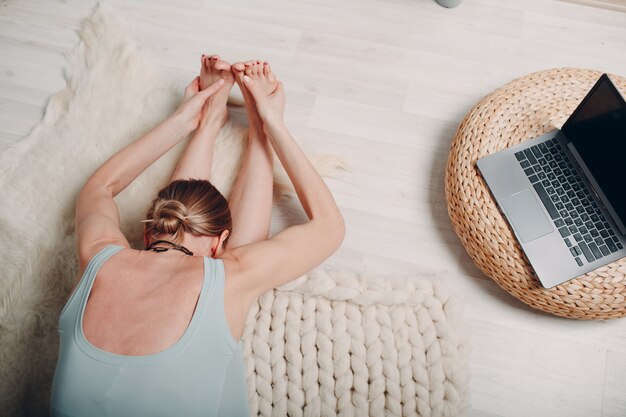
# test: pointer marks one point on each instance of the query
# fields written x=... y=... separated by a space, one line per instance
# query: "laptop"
x=564 y=193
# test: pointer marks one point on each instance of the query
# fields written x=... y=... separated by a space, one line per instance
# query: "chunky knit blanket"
x=336 y=343
x=331 y=342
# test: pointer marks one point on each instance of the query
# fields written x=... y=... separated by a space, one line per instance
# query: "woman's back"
x=142 y=301
x=194 y=365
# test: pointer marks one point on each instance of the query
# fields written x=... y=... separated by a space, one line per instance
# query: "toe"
x=205 y=61
x=248 y=69
x=238 y=66
x=250 y=85
x=209 y=61
x=222 y=65
x=267 y=70
x=239 y=76
x=259 y=68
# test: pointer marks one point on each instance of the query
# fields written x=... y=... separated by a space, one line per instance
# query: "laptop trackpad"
x=526 y=215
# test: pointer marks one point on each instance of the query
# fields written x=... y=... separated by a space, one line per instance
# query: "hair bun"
x=169 y=216
x=190 y=206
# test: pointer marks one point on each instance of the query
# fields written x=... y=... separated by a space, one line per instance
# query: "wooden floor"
x=384 y=83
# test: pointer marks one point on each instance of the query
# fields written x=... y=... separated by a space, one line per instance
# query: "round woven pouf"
x=524 y=109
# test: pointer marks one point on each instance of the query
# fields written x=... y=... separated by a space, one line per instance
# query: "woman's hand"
x=191 y=109
x=258 y=79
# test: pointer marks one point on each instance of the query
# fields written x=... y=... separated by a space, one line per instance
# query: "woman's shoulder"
x=87 y=252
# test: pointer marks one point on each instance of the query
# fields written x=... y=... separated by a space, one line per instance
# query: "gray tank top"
x=200 y=375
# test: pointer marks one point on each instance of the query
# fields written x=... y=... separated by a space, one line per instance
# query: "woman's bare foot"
x=254 y=120
x=213 y=68
x=260 y=88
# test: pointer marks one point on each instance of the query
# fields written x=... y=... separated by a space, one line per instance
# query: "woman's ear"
x=223 y=236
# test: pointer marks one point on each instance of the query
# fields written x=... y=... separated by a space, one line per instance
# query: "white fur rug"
x=328 y=343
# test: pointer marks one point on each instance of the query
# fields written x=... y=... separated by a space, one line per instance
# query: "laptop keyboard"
x=569 y=202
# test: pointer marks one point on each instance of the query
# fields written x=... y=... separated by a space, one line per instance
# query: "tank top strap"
x=216 y=315
x=89 y=275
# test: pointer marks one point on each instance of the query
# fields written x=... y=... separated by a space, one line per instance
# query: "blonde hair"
x=188 y=206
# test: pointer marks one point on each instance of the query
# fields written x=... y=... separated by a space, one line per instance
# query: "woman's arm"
x=197 y=158
x=97 y=217
x=126 y=165
x=264 y=265
x=258 y=267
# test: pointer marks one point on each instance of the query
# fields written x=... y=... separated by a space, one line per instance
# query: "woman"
x=156 y=332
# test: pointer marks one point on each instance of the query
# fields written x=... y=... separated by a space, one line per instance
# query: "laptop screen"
x=597 y=129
